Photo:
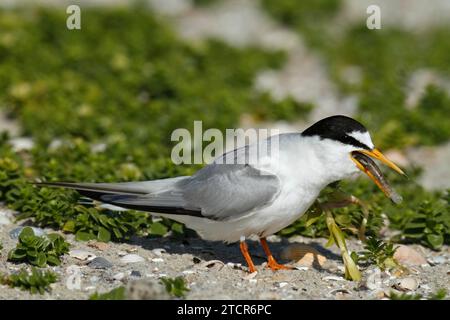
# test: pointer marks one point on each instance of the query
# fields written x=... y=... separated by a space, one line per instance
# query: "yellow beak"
x=376 y=154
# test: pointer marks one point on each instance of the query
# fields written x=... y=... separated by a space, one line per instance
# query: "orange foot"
x=274 y=266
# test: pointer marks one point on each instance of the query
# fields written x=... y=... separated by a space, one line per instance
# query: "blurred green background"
x=100 y=103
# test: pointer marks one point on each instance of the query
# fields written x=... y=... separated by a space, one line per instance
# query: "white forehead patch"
x=363 y=137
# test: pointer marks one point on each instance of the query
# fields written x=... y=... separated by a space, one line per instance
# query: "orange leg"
x=271 y=263
x=244 y=250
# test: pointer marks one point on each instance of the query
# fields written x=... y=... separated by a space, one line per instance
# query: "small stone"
x=4 y=220
x=135 y=274
x=100 y=263
x=408 y=256
x=14 y=234
x=211 y=264
x=188 y=272
x=119 y=276
x=282 y=284
x=157 y=260
x=407 y=284
x=158 y=251
x=333 y=278
x=5 y=216
x=253 y=281
x=301 y=268
x=132 y=258
x=304 y=255
x=250 y=276
x=102 y=246
x=121 y=253
x=197 y=260
x=132 y=249
x=82 y=255
x=437 y=260
x=146 y=289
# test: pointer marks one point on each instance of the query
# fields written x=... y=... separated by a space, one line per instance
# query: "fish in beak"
x=368 y=166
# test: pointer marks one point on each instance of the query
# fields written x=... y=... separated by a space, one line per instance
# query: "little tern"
x=230 y=202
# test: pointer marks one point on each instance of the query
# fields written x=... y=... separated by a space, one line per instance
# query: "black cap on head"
x=337 y=128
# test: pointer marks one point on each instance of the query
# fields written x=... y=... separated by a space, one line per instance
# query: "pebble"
x=333 y=278
x=301 y=268
x=408 y=256
x=210 y=264
x=102 y=246
x=132 y=258
x=250 y=276
x=407 y=284
x=100 y=263
x=158 y=251
x=304 y=255
x=157 y=260
x=4 y=220
x=82 y=255
x=188 y=272
x=119 y=276
x=437 y=260
x=135 y=274
x=5 y=216
x=121 y=253
x=282 y=284
x=14 y=234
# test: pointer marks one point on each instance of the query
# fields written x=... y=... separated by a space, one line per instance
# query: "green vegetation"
x=36 y=282
x=430 y=225
x=379 y=253
x=175 y=286
x=39 y=251
x=115 y=294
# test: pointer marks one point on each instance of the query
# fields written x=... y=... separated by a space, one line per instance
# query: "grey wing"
x=227 y=191
x=218 y=192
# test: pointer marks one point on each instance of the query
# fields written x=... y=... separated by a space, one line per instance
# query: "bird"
x=231 y=202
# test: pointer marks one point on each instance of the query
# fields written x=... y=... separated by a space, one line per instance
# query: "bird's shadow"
x=217 y=250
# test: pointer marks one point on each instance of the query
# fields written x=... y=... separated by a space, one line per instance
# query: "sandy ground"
x=214 y=270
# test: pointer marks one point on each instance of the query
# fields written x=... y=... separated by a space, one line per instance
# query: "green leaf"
x=158 y=228
x=41 y=260
x=84 y=236
x=435 y=240
x=26 y=233
x=53 y=260
x=69 y=226
x=103 y=235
